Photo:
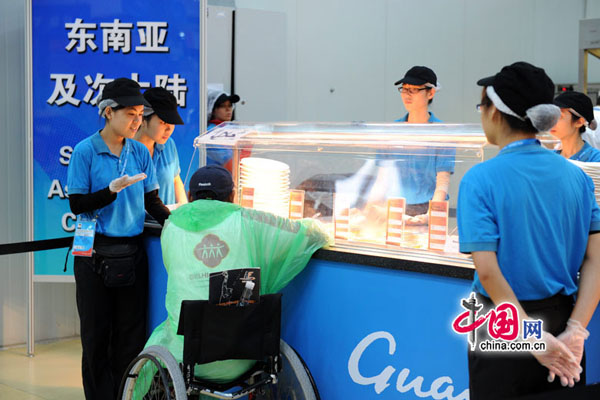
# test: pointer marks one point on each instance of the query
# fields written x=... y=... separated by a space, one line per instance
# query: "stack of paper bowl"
x=593 y=171
x=271 y=182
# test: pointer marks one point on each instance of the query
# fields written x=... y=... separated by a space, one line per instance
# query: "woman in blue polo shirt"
x=155 y=133
x=576 y=113
x=425 y=173
x=111 y=180
x=530 y=220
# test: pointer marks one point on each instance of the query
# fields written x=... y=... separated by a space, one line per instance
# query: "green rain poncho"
x=281 y=248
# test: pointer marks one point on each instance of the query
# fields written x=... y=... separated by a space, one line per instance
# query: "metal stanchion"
x=29 y=177
x=203 y=78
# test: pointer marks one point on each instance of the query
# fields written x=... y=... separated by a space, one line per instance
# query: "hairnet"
x=106 y=103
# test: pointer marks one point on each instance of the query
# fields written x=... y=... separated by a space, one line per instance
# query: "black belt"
x=533 y=305
x=109 y=240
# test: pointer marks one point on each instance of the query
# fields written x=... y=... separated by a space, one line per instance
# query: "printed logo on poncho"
x=211 y=250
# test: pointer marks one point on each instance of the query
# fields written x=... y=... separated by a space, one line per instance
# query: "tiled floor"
x=54 y=373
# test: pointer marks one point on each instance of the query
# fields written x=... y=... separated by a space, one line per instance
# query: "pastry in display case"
x=380 y=189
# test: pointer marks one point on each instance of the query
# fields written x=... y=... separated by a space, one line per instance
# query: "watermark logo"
x=532 y=329
x=211 y=250
x=502 y=326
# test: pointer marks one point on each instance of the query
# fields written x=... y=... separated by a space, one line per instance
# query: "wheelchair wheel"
x=153 y=375
x=294 y=381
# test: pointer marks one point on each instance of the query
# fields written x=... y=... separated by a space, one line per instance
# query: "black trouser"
x=113 y=323
x=509 y=375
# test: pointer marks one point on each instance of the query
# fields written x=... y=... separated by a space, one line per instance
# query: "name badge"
x=83 y=242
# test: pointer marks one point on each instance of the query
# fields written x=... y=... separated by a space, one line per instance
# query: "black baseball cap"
x=418 y=75
x=521 y=86
x=579 y=102
x=164 y=104
x=212 y=178
x=124 y=91
x=233 y=98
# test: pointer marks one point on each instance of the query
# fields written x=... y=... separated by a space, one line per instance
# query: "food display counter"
x=372 y=313
x=359 y=180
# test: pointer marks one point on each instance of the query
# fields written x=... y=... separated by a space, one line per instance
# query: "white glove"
x=422 y=219
x=121 y=183
x=573 y=337
x=559 y=360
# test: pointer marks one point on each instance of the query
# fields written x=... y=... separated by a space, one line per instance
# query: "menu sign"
x=341 y=214
x=438 y=224
x=395 y=220
x=296 y=204
x=247 y=197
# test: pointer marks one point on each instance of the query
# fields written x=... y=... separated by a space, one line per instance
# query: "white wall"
x=218 y=51
x=55 y=303
x=345 y=55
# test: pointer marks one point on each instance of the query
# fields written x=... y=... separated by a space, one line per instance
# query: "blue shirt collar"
x=432 y=118
x=520 y=145
x=99 y=144
x=582 y=155
x=159 y=147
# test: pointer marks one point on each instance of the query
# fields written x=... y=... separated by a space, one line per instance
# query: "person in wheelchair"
x=210 y=234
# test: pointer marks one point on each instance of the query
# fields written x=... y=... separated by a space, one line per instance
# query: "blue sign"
x=78 y=47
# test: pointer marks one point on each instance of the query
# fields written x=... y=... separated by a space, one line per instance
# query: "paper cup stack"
x=593 y=171
x=271 y=182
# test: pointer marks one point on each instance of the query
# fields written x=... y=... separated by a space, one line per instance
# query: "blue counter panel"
x=368 y=332
x=157 y=283
x=330 y=308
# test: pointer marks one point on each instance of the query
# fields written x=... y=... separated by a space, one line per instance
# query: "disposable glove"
x=573 y=337
x=376 y=214
x=121 y=183
x=559 y=360
x=422 y=219
x=173 y=207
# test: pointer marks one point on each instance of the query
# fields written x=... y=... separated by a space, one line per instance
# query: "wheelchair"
x=213 y=333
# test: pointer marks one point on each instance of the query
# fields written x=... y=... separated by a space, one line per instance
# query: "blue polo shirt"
x=586 y=154
x=536 y=210
x=92 y=167
x=217 y=155
x=166 y=164
x=418 y=170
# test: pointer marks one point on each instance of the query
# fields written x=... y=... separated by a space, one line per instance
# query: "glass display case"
x=387 y=190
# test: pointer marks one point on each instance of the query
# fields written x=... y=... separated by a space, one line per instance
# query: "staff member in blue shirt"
x=220 y=106
x=111 y=179
x=576 y=113
x=530 y=221
x=155 y=133
x=425 y=172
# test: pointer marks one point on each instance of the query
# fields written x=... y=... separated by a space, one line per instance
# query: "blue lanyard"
x=127 y=151
x=521 y=143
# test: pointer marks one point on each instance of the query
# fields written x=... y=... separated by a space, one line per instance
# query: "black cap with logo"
x=211 y=178
x=419 y=75
x=124 y=91
x=579 y=102
x=164 y=104
x=234 y=98
x=521 y=86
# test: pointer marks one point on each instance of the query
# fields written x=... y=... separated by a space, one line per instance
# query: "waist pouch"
x=116 y=263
